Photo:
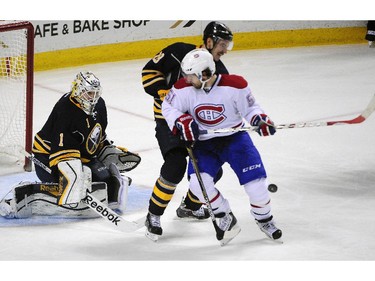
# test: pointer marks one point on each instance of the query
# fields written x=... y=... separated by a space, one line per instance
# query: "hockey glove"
x=264 y=124
x=187 y=128
x=120 y=156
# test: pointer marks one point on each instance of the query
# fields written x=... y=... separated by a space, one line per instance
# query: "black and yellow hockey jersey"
x=163 y=70
x=70 y=133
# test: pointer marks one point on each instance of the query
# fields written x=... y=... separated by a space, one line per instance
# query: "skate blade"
x=189 y=219
x=277 y=241
x=229 y=235
x=153 y=237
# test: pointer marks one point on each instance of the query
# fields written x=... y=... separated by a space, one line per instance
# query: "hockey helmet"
x=217 y=30
x=86 y=90
x=199 y=62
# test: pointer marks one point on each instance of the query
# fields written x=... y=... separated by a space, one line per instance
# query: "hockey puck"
x=272 y=187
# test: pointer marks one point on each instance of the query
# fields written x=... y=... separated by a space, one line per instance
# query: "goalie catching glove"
x=120 y=156
x=264 y=124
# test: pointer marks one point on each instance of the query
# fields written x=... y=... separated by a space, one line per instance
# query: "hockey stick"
x=219 y=232
x=115 y=220
x=203 y=188
x=357 y=120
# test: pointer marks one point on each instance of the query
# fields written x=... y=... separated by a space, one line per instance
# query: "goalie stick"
x=115 y=220
x=309 y=124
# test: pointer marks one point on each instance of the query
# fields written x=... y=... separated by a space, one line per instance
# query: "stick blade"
x=361 y=118
x=370 y=108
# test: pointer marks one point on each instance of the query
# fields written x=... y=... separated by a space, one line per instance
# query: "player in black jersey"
x=76 y=132
x=158 y=76
x=370 y=34
x=73 y=144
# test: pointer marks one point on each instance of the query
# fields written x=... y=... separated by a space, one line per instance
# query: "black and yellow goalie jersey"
x=163 y=70
x=69 y=133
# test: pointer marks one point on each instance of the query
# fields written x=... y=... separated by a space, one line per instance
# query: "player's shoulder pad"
x=182 y=44
x=233 y=80
x=101 y=102
x=64 y=102
x=180 y=48
x=181 y=83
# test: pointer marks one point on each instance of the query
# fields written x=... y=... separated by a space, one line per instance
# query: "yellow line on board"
x=242 y=41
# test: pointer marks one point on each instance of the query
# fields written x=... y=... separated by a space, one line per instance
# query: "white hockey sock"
x=218 y=203
x=259 y=198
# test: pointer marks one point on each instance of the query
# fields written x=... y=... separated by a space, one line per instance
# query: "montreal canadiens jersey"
x=227 y=104
x=70 y=133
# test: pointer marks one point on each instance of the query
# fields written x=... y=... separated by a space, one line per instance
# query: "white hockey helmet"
x=86 y=90
x=198 y=61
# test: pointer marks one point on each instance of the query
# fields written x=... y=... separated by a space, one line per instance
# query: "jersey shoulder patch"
x=232 y=80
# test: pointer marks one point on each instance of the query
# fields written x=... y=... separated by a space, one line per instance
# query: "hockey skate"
x=7 y=208
x=269 y=228
x=185 y=213
x=153 y=227
x=227 y=228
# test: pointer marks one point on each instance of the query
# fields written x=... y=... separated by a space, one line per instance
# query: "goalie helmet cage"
x=16 y=92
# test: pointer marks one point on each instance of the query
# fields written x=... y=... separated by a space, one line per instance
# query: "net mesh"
x=13 y=75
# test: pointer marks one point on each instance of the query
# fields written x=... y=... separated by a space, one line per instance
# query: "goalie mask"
x=86 y=90
x=200 y=63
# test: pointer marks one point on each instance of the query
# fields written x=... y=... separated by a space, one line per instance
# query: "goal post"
x=16 y=92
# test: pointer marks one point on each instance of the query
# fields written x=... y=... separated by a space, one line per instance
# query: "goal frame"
x=29 y=82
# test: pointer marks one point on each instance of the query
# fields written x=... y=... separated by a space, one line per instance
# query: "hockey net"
x=16 y=93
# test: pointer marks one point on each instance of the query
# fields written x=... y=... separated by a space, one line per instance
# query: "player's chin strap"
x=115 y=220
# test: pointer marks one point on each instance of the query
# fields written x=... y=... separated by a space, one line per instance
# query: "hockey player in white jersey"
x=204 y=100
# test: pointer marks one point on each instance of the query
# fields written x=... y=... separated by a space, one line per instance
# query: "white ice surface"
x=325 y=204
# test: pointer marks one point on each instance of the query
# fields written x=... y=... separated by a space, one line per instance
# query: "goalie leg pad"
x=114 y=180
x=41 y=199
x=73 y=181
x=121 y=192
